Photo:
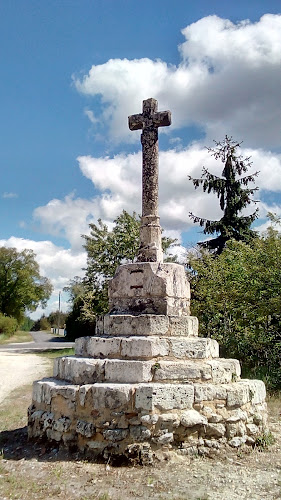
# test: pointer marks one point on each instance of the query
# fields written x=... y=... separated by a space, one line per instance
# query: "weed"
x=104 y=496
x=264 y=441
x=156 y=366
x=57 y=471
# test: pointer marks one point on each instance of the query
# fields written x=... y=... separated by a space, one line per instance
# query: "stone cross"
x=150 y=233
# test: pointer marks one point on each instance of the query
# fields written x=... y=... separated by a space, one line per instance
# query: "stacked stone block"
x=145 y=383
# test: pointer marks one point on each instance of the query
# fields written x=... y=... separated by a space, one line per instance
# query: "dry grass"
x=16 y=338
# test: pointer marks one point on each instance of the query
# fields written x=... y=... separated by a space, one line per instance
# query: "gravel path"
x=20 y=369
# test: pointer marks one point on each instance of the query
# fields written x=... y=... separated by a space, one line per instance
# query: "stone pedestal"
x=145 y=384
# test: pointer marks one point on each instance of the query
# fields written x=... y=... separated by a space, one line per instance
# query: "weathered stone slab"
x=106 y=396
x=79 y=370
x=164 y=396
x=183 y=371
x=150 y=288
x=217 y=371
x=142 y=347
x=146 y=347
x=91 y=370
x=225 y=370
x=197 y=348
x=128 y=371
x=210 y=392
x=99 y=347
x=44 y=390
x=147 y=325
x=246 y=391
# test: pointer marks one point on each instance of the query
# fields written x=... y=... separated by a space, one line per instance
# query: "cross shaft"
x=149 y=121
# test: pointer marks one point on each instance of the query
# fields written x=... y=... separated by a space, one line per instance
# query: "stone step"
x=101 y=418
x=142 y=348
x=147 y=324
x=88 y=370
x=55 y=394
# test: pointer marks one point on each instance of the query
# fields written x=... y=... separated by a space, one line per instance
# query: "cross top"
x=150 y=117
x=150 y=232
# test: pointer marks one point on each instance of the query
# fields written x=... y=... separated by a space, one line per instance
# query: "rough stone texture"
x=140 y=347
x=89 y=370
x=147 y=324
x=97 y=416
x=145 y=382
x=150 y=234
x=150 y=288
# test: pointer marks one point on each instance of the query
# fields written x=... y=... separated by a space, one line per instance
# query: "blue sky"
x=72 y=72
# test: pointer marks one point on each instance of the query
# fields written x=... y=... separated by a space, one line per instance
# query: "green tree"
x=21 y=286
x=27 y=324
x=237 y=299
x=57 y=318
x=79 y=322
x=233 y=193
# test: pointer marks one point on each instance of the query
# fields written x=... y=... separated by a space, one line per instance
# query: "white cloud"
x=118 y=181
x=228 y=81
x=90 y=114
x=68 y=218
x=9 y=195
x=269 y=166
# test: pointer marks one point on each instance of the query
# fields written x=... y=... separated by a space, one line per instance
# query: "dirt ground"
x=29 y=471
x=20 y=369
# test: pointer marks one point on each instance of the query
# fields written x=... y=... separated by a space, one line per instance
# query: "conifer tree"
x=233 y=193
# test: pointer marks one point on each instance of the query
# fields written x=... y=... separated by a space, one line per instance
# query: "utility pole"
x=59 y=315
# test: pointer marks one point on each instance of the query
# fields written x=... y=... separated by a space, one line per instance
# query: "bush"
x=8 y=325
x=236 y=297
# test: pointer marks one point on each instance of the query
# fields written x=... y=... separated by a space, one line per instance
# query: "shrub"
x=8 y=325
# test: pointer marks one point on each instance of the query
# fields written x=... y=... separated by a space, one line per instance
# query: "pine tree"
x=233 y=193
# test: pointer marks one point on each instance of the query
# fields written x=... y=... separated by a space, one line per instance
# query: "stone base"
x=138 y=420
x=149 y=288
x=90 y=370
x=147 y=325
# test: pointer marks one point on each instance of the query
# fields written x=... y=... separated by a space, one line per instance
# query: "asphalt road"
x=42 y=341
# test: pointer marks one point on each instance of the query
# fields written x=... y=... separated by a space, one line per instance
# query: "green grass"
x=16 y=338
x=56 y=353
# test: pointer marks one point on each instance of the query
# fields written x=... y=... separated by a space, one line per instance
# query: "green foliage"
x=81 y=320
x=8 y=325
x=233 y=194
x=41 y=324
x=264 y=441
x=21 y=286
x=57 y=318
x=237 y=299
x=27 y=324
x=77 y=325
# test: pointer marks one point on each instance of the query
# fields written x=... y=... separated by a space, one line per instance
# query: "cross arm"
x=136 y=121
x=162 y=119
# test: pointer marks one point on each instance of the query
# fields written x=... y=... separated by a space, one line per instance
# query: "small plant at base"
x=264 y=441
x=156 y=366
